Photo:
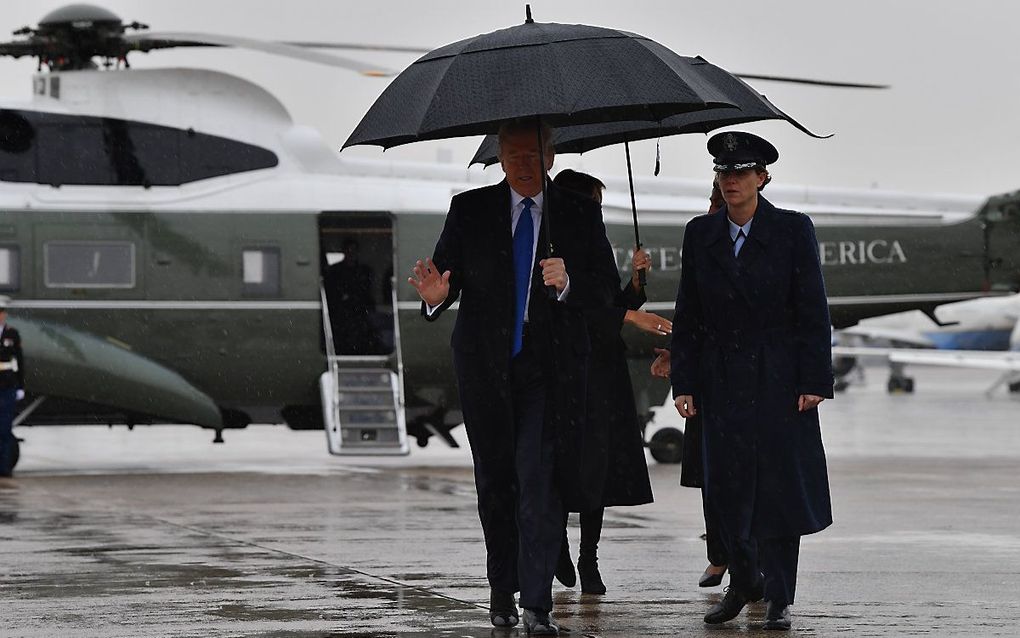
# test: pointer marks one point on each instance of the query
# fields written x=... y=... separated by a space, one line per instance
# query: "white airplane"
x=977 y=333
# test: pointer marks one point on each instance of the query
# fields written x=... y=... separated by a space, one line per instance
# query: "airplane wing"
x=65 y=363
x=981 y=359
x=893 y=335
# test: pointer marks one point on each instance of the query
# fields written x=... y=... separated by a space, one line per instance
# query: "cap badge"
x=730 y=142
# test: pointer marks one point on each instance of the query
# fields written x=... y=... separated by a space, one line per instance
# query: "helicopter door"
x=362 y=391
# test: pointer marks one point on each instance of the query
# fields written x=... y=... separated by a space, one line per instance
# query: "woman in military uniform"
x=751 y=354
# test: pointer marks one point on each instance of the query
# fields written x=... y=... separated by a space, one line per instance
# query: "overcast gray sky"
x=950 y=123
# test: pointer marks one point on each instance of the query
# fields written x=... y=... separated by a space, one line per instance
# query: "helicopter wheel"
x=667 y=445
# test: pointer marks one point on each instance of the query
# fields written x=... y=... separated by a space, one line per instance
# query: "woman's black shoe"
x=709 y=579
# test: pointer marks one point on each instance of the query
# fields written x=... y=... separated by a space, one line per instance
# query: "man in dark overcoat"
x=520 y=355
x=751 y=353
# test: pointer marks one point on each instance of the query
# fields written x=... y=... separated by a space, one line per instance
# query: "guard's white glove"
x=19 y=395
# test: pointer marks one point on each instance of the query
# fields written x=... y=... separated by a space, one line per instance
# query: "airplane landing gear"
x=900 y=385
x=899 y=382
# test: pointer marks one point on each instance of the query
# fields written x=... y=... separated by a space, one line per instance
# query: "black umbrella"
x=559 y=74
x=564 y=73
x=752 y=107
x=588 y=137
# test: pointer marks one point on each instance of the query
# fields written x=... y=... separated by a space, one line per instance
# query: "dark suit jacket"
x=751 y=334
x=476 y=246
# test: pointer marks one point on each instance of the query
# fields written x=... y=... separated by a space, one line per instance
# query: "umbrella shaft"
x=546 y=204
x=642 y=277
x=633 y=202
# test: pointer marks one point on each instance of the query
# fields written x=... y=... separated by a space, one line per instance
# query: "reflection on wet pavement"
x=926 y=540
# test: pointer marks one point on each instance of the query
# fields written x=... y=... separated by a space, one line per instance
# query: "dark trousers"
x=8 y=402
x=519 y=504
x=591 y=534
x=717 y=554
x=775 y=559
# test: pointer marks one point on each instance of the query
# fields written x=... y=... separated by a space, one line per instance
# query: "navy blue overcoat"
x=750 y=335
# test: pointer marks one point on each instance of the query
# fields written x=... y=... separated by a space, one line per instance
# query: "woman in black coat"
x=613 y=458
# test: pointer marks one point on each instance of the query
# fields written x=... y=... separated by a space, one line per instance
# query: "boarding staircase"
x=363 y=397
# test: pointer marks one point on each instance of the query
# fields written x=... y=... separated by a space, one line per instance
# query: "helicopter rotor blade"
x=18 y=49
x=167 y=39
x=352 y=46
x=793 y=80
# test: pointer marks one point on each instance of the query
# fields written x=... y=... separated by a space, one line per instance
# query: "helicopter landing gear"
x=667 y=445
x=432 y=424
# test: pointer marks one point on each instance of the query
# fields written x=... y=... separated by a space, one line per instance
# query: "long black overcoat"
x=614 y=455
x=751 y=334
x=476 y=245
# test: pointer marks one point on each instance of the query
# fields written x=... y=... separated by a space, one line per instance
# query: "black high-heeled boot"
x=591 y=579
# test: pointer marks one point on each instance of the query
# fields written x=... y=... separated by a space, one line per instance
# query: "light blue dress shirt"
x=738 y=241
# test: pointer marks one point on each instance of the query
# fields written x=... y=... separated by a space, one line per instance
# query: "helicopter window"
x=10 y=268
x=58 y=149
x=82 y=264
x=261 y=272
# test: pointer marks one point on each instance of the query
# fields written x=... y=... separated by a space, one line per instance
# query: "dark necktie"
x=524 y=245
x=738 y=242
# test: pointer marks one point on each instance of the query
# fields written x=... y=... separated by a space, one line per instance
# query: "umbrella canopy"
x=565 y=74
x=751 y=107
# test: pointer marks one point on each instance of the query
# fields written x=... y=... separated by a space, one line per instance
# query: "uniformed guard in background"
x=12 y=386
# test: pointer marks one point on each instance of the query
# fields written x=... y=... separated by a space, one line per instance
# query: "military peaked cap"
x=736 y=150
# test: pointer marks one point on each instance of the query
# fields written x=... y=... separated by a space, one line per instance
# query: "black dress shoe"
x=731 y=605
x=502 y=609
x=709 y=579
x=540 y=623
x=777 y=616
x=565 y=567
x=591 y=579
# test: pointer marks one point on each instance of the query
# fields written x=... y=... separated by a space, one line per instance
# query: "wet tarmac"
x=157 y=532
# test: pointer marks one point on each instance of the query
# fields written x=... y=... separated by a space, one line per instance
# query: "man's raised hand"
x=432 y=287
